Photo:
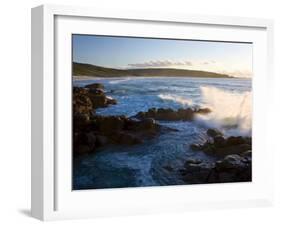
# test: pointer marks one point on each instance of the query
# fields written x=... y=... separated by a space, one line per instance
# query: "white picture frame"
x=51 y=197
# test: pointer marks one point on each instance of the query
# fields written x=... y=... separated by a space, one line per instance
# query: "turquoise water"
x=157 y=161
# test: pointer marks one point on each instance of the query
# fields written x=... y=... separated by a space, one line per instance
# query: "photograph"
x=152 y=111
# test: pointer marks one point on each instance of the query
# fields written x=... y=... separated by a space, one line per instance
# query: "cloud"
x=161 y=63
x=208 y=62
x=170 y=63
x=238 y=73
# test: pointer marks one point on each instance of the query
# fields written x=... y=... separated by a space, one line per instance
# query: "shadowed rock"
x=81 y=102
x=168 y=114
x=220 y=146
x=213 y=132
x=91 y=97
x=91 y=131
x=232 y=168
x=100 y=130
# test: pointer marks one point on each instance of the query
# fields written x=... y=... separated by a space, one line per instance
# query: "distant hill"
x=80 y=69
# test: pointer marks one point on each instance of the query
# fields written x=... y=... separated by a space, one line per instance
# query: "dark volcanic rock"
x=122 y=130
x=197 y=172
x=97 y=95
x=232 y=168
x=219 y=141
x=91 y=131
x=236 y=140
x=169 y=114
x=235 y=149
x=97 y=131
x=80 y=120
x=148 y=124
x=234 y=164
x=90 y=98
x=110 y=100
x=221 y=146
x=247 y=154
x=130 y=124
x=81 y=102
x=213 y=132
x=84 y=143
x=101 y=140
x=99 y=100
x=230 y=162
x=109 y=124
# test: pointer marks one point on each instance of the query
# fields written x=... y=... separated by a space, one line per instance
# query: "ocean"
x=157 y=161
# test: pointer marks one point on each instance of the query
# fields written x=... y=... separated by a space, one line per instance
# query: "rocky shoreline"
x=234 y=164
x=169 y=114
x=92 y=131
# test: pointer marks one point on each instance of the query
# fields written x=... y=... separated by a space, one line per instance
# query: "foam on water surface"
x=157 y=161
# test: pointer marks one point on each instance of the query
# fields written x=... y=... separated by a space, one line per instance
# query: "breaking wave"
x=178 y=99
x=231 y=111
x=116 y=81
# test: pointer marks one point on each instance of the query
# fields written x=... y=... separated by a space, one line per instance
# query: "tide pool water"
x=157 y=161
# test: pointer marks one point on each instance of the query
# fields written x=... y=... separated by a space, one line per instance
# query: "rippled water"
x=157 y=161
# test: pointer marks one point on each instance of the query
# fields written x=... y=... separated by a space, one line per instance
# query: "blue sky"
x=122 y=52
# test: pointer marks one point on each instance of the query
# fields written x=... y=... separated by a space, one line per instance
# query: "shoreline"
x=93 y=131
x=86 y=77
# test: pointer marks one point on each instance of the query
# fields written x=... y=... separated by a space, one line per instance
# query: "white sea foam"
x=231 y=111
x=178 y=99
x=116 y=81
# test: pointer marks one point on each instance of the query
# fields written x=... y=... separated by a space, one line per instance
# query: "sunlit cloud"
x=161 y=63
x=210 y=62
x=238 y=73
x=203 y=65
x=170 y=63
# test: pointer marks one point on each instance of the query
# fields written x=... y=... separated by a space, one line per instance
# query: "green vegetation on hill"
x=80 y=69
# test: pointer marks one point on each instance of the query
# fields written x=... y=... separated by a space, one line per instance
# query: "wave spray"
x=231 y=111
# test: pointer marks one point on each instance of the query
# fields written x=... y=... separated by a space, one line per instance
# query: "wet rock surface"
x=231 y=168
x=234 y=162
x=169 y=114
x=95 y=95
x=99 y=131
x=221 y=146
x=213 y=132
x=91 y=131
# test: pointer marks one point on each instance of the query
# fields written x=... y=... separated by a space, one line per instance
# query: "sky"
x=234 y=59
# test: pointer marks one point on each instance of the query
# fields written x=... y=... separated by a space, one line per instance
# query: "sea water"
x=158 y=161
